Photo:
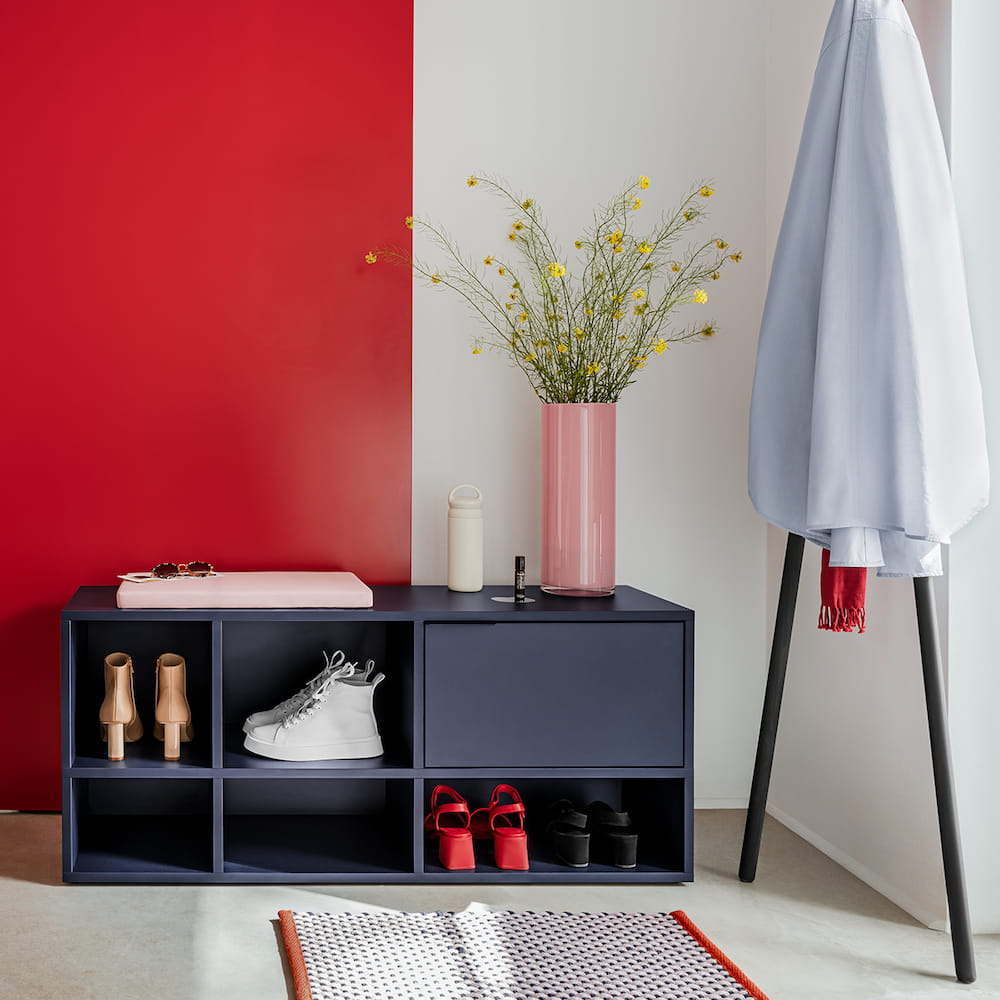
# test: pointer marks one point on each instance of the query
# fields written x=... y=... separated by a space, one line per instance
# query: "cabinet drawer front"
x=554 y=695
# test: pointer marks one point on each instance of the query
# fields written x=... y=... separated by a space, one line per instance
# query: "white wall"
x=566 y=99
x=974 y=675
x=536 y=92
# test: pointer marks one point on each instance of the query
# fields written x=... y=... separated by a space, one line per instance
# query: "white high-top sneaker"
x=284 y=709
x=336 y=722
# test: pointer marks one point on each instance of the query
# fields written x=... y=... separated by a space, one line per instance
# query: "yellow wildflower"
x=638 y=294
x=593 y=368
x=708 y=331
x=738 y=256
x=512 y=236
x=501 y=271
x=721 y=244
x=556 y=270
x=541 y=343
x=530 y=357
x=488 y=260
x=714 y=276
x=644 y=182
x=699 y=295
x=477 y=350
x=436 y=278
x=644 y=247
x=618 y=315
x=617 y=248
x=617 y=298
x=562 y=348
x=371 y=256
x=510 y=305
x=579 y=332
x=674 y=266
x=523 y=317
x=472 y=181
x=636 y=204
x=639 y=310
x=518 y=226
x=578 y=244
x=707 y=192
x=589 y=312
x=660 y=346
x=688 y=216
x=513 y=296
x=527 y=203
x=615 y=237
x=409 y=222
x=639 y=362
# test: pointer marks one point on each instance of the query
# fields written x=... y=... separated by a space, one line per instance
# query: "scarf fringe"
x=842 y=619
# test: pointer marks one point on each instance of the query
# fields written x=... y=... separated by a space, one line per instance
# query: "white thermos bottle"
x=465 y=540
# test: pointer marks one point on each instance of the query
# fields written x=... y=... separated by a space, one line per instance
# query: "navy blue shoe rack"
x=563 y=697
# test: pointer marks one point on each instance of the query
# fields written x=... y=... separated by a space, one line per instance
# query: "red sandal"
x=449 y=822
x=504 y=822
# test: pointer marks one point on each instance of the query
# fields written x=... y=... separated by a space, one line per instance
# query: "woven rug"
x=482 y=955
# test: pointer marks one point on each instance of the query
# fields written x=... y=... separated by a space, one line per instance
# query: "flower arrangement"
x=581 y=336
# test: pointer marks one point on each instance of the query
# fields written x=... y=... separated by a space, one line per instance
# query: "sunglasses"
x=168 y=570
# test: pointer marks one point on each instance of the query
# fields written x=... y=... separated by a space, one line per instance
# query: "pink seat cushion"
x=249 y=590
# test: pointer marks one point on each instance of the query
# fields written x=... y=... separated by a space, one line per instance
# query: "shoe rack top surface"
x=409 y=604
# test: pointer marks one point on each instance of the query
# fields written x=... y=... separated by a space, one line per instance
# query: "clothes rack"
x=937 y=720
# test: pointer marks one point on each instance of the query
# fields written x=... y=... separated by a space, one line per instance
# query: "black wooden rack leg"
x=937 y=721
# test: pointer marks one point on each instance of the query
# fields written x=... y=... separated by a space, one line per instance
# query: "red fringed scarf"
x=842 y=592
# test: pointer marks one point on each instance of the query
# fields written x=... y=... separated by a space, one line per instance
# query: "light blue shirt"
x=866 y=424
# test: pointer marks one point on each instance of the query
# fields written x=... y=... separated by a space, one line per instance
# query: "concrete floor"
x=806 y=930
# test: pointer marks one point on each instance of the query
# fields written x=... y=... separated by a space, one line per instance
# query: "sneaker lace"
x=319 y=694
x=301 y=696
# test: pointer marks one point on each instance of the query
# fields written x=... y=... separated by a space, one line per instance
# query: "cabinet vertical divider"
x=689 y=746
x=218 y=692
x=218 y=751
x=417 y=750
x=218 y=827
x=419 y=797
x=418 y=695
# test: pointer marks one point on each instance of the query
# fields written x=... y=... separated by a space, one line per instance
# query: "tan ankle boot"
x=173 y=714
x=120 y=723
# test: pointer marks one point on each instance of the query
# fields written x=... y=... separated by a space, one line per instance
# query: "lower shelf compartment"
x=655 y=805
x=318 y=825
x=329 y=845
x=159 y=828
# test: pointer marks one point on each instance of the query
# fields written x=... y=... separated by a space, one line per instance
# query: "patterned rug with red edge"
x=486 y=955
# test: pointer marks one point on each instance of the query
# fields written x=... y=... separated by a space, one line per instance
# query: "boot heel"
x=116 y=740
x=624 y=850
x=455 y=852
x=510 y=849
x=171 y=741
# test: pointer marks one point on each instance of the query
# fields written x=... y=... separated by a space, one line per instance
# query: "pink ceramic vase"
x=578 y=499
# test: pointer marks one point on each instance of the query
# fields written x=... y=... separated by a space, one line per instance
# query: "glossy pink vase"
x=578 y=499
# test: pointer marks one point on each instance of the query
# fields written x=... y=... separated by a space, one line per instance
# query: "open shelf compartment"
x=323 y=826
x=159 y=828
x=266 y=662
x=144 y=642
x=655 y=805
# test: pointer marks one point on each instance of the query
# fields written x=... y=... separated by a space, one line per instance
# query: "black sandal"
x=614 y=839
x=567 y=833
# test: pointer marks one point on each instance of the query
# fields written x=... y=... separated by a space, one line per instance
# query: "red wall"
x=191 y=365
